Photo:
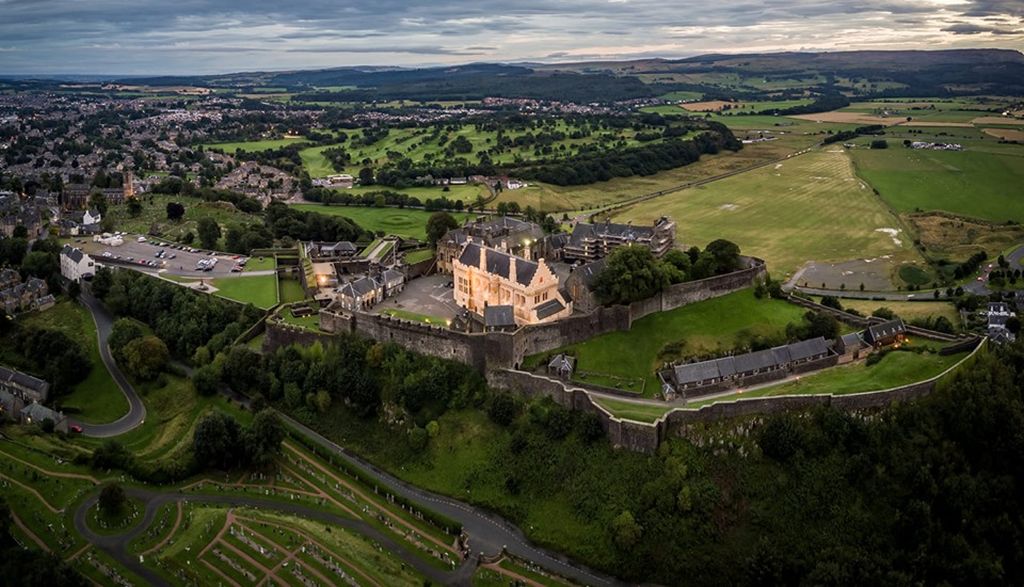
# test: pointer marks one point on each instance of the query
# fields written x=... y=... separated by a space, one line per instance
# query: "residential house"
x=998 y=329
x=888 y=333
x=24 y=386
x=484 y=277
x=36 y=413
x=75 y=264
x=25 y=297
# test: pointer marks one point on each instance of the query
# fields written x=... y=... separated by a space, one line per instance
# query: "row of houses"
x=735 y=368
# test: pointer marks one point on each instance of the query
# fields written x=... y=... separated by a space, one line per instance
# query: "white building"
x=75 y=264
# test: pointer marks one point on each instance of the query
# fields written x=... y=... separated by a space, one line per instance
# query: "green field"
x=419 y=255
x=969 y=183
x=258 y=290
x=291 y=291
x=906 y=310
x=414 y=317
x=810 y=207
x=253 y=146
x=405 y=222
x=711 y=327
x=260 y=264
x=97 y=399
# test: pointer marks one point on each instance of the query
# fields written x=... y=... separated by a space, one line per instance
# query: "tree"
x=20 y=231
x=884 y=313
x=438 y=225
x=112 y=499
x=630 y=274
x=365 y=176
x=205 y=380
x=123 y=332
x=243 y=369
x=625 y=530
x=145 y=357
x=209 y=232
x=98 y=201
x=726 y=254
x=217 y=442
x=74 y=290
x=134 y=207
x=40 y=264
x=175 y=211
x=263 y=439
x=879 y=144
x=1012 y=324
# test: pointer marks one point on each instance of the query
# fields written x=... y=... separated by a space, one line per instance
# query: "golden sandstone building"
x=486 y=278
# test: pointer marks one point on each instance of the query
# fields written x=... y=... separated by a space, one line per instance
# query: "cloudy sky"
x=194 y=36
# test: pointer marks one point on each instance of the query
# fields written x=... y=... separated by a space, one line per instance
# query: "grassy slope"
x=906 y=310
x=400 y=222
x=807 y=208
x=98 y=397
x=155 y=213
x=711 y=326
x=253 y=145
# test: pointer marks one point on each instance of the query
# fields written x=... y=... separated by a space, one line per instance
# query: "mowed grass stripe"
x=810 y=207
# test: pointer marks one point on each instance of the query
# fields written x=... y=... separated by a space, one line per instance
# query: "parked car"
x=75 y=428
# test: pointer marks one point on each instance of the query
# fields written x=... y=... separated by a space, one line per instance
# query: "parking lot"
x=175 y=260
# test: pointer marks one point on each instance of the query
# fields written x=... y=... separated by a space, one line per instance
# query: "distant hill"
x=852 y=73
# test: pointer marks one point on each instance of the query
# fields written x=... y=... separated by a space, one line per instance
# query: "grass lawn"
x=404 y=222
x=811 y=207
x=97 y=399
x=906 y=310
x=414 y=317
x=260 y=264
x=711 y=327
x=258 y=290
x=632 y=411
x=970 y=183
x=419 y=255
x=896 y=368
x=311 y=322
x=291 y=291
x=253 y=146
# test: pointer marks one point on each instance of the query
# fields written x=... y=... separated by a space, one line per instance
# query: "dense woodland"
x=921 y=493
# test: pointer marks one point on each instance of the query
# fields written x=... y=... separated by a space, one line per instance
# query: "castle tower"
x=129 y=185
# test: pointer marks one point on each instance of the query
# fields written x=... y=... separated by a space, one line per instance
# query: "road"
x=488 y=533
x=136 y=409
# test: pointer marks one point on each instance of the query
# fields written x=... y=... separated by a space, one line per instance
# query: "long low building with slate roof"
x=485 y=277
x=692 y=376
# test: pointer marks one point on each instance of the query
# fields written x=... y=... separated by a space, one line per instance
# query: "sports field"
x=811 y=207
x=397 y=221
x=711 y=327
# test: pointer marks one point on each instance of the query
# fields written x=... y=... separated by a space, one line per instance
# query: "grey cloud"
x=975 y=29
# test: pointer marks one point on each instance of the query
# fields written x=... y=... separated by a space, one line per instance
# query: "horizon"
x=60 y=38
x=96 y=77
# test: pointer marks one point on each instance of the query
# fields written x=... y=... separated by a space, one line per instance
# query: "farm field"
x=741 y=107
x=969 y=183
x=468 y=193
x=254 y=146
x=95 y=400
x=258 y=290
x=811 y=207
x=406 y=222
x=710 y=327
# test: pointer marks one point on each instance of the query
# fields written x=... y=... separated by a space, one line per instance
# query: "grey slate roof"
x=590 y=271
x=885 y=329
x=582 y=232
x=696 y=372
x=806 y=349
x=358 y=288
x=498 y=263
x=549 y=308
x=73 y=253
x=499 y=316
x=851 y=340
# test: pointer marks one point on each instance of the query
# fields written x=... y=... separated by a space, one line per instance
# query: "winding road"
x=136 y=409
x=488 y=533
